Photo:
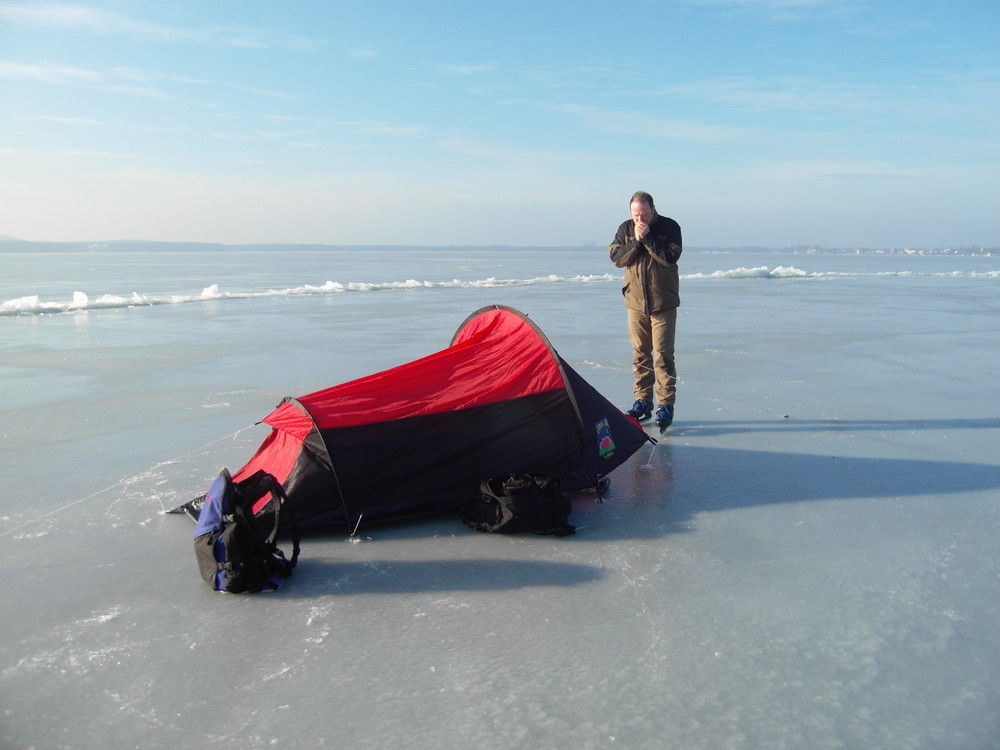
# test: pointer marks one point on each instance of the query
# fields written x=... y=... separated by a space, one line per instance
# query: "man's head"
x=642 y=208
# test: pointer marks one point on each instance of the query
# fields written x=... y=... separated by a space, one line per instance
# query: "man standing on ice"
x=648 y=246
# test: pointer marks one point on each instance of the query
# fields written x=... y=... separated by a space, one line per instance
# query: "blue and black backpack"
x=235 y=548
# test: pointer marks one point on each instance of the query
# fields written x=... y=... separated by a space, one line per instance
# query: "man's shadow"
x=662 y=486
x=714 y=429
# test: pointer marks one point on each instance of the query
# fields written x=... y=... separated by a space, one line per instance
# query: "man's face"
x=641 y=213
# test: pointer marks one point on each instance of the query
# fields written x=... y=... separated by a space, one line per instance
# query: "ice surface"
x=806 y=559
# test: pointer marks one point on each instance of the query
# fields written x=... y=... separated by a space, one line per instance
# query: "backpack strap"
x=244 y=512
x=278 y=492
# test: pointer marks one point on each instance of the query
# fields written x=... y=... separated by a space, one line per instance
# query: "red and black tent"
x=417 y=439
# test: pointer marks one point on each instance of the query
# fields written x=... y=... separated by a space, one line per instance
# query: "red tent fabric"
x=418 y=438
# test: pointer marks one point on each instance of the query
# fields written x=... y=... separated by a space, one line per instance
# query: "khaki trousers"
x=652 y=338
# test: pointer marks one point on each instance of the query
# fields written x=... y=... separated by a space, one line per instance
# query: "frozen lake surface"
x=806 y=560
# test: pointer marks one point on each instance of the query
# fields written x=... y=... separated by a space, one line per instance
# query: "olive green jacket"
x=651 y=279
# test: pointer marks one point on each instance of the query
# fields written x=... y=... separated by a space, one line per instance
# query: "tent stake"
x=354 y=534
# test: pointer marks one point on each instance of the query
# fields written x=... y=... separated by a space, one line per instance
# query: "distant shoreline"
x=12 y=245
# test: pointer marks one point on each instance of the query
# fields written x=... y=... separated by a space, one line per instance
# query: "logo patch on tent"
x=605 y=443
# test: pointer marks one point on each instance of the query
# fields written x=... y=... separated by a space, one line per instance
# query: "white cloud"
x=142 y=74
x=400 y=131
x=64 y=159
x=92 y=153
x=513 y=154
x=639 y=124
x=786 y=10
x=46 y=73
x=360 y=51
x=93 y=20
x=777 y=5
x=471 y=69
x=145 y=92
x=100 y=21
x=921 y=105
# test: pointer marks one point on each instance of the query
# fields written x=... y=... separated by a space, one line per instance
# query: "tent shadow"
x=661 y=488
x=319 y=577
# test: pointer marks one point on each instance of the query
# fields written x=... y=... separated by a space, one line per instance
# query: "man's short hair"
x=643 y=197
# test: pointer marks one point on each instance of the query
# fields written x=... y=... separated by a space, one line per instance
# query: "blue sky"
x=837 y=123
